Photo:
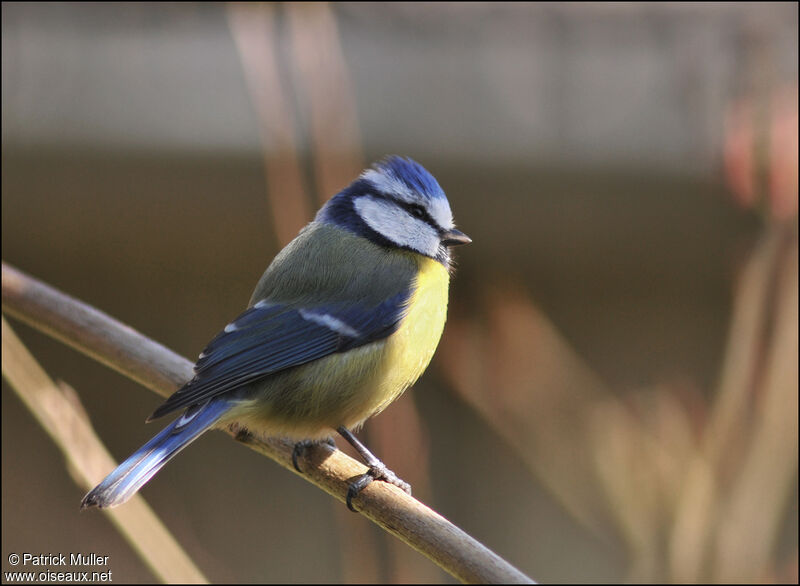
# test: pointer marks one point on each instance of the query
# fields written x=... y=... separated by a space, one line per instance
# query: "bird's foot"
x=377 y=471
x=301 y=446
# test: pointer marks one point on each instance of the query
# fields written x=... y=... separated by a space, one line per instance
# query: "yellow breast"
x=407 y=353
x=309 y=401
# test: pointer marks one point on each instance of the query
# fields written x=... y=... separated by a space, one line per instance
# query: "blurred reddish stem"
x=253 y=29
x=322 y=76
x=520 y=375
x=761 y=151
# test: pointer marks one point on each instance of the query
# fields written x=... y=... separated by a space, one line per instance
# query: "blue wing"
x=268 y=338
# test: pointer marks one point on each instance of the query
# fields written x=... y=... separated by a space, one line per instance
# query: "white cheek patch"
x=397 y=225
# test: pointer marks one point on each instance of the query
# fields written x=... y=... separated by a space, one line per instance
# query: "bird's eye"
x=417 y=211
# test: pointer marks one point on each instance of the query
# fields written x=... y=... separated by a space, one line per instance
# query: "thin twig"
x=753 y=513
x=67 y=424
x=102 y=337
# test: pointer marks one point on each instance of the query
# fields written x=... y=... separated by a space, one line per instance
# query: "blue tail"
x=134 y=472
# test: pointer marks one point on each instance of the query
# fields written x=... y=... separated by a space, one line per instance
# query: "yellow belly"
x=408 y=352
x=309 y=401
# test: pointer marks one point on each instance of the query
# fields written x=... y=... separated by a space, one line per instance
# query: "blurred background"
x=615 y=395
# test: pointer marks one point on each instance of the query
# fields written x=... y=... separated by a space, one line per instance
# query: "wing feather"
x=268 y=338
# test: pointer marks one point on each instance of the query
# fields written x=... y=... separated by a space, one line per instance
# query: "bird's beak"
x=455 y=238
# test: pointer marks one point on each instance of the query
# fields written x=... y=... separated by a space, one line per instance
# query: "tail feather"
x=134 y=472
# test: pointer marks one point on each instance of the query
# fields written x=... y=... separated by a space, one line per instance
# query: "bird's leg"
x=301 y=446
x=377 y=470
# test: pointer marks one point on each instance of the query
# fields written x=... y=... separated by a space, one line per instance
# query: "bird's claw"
x=301 y=446
x=375 y=472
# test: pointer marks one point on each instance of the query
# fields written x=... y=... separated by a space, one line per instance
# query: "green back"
x=329 y=265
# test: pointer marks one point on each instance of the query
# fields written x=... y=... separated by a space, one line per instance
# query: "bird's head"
x=397 y=203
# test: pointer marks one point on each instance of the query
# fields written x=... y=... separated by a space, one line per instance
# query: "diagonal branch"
x=122 y=348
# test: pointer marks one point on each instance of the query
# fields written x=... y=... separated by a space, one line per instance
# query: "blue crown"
x=408 y=172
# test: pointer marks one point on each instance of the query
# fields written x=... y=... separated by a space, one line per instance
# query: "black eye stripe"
x=414 y=209
x=417 y=211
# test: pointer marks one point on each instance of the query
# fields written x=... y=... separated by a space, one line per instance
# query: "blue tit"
x=345 y=319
